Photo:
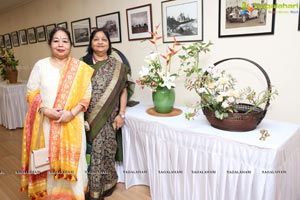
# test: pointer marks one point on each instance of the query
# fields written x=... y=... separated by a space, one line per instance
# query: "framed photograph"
x=63 y=24
x=23 y=37
x=81 y=31
x=111 y=23
x=245 y=18
x=40 y=33
x=7 y=41
x=2 y=45
x=299 y=20
x=31 y=35
x=49 y=28
x=139 y=22
x=182 y=19
x=15 y=39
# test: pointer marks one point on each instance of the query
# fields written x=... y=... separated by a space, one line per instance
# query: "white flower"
x=202 y=90
x=210 y=69
x=225 y=104
x=223 y=94
x=219 y=98
x=223 y=80
x=152 y=57
x=231 y=99
x=144 y=71
x=168 y=81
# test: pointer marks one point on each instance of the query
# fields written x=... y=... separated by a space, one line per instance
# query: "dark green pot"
x=163 y=99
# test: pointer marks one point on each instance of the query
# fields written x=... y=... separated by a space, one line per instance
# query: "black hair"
x=58 y=28
x=90 y=50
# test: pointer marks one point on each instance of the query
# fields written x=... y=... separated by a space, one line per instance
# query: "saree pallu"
x=65 y=141
x=108 y=82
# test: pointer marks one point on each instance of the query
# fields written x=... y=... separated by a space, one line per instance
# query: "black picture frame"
x=2 y=44
x=63 y=24
x=244 y=19
x=40 y=33
x=23 y=37
x=299 y=19
x=182 y=19
x=7 y=41
x=15 y=39
x=81 y=31
x=111 y=23
x=49 y=28
x=139 y=22
x=31 y=36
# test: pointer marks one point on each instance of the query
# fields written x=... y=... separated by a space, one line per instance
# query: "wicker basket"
x=240 y=121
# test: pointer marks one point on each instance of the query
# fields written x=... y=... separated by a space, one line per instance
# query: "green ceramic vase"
x=163 y=99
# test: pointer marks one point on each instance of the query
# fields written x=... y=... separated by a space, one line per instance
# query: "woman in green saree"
x=106 y=113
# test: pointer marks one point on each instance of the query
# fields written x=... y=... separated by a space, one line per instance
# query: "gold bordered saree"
x=65 y=138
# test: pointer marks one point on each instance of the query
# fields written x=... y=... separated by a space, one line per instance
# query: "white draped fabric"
x=190 y=160
x=13 y=105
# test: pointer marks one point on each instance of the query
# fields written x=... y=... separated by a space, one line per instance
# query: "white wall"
x=278 y=54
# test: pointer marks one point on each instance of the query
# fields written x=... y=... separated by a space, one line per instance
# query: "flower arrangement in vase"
x=223 y=105
x=8 y=65
x=157 y=74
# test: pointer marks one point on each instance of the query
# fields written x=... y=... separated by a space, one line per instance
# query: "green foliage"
x=7 y=62
x=216 y=88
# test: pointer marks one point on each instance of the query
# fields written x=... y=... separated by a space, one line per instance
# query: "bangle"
x=72 y=114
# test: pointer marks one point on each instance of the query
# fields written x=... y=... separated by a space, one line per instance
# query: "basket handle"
x=260 y=68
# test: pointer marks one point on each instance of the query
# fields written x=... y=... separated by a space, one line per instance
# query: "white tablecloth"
x=13 y=104
x=190 y=160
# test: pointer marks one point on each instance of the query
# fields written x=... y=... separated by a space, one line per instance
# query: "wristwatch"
x=122 y=116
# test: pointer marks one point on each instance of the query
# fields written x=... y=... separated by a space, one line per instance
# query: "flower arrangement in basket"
x=222 y=104
x=7 y=62
x=158 y=73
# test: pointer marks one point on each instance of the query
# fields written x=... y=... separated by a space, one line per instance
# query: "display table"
x=13 y=105
x=190 y=160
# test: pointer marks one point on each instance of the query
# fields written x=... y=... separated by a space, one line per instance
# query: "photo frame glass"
x=63 y=24
x=2 y=45
x=81 y=31
x=49 y=28
x=139 y=22
x=23 y=37
x=7 y=41
x=40 y=33
x=110 y=23
x=31 y=35
x=182 y=19
x=15 y=39
x=245 y=18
